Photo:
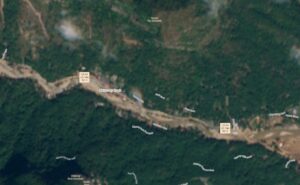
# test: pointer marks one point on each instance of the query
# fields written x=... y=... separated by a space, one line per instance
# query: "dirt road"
x=284 y=140
x=2 y=22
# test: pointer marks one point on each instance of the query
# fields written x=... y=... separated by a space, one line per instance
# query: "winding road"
x=284 y=140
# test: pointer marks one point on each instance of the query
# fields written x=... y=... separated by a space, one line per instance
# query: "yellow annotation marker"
x=225 y=128
x=84 y=77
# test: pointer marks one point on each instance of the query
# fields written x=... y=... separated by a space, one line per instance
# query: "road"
x=284 y=140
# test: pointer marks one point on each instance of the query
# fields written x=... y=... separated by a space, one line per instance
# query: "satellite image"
x=149 y=92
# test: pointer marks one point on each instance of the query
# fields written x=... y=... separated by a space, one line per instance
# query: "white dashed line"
x=186 y=183
x=65 y=158
x=291 y=116
x=138 y=98
x=134 y=176
x=243 y=156
x=4 y=54
x=160 y=96
x=160 y=126
x=288 y=163
x=202 y=167
x=141 y=129
x=189 y=110
x=277 y=114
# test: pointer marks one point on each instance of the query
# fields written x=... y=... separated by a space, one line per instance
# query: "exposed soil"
x=39 y=16
x=2 y=22
x=285 y=139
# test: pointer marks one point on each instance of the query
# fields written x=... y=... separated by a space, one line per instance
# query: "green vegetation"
x=55 y=60
x=33 y=131
x=250 y=63
x=242 y=55
x=9 y=36
x=162 y=5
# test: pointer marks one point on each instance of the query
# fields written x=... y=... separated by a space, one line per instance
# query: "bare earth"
x=39 y=16
x=1 y=14
x=284 y=140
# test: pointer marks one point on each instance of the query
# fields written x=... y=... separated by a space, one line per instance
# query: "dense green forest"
x=245 y=59
x=222 y=58
x=34 y=130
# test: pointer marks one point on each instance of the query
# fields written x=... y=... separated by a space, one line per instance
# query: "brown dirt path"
x=284 y=140
x=39 y=16
x=2 y=22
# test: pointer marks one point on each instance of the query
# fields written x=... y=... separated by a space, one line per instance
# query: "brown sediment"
x=39 y=16
x=89 y=22
x=2 y=21
x=130 y=41
x=284 y=140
